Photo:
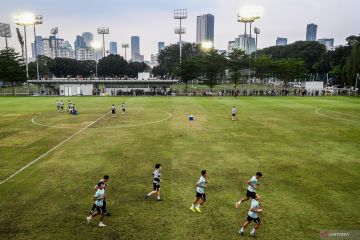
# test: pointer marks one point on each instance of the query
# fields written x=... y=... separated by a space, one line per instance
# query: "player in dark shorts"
x=113 y=110
x=233 y=113
x=253 y=216
x=200 y=193
x=105 y=180
x=99 y=203
x=62 y=105
x=123 y=107
x=156 y=182
x=251 y=190
x=58 y=105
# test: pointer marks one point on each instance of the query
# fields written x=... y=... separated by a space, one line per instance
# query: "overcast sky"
x=153 y=21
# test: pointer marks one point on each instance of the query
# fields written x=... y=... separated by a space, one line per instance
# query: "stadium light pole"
x=25 y=19
x=180 y=14
x=103 y=31
x=125 y=46
x=38 y=21
x=55 y=31
x=5 y=32
x=257 y=32
x=96 y=46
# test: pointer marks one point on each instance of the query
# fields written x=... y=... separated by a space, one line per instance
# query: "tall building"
x=56 y=47
x=327 y=42
x=113 y=48
x=79 y=42
x=248 y=41
x=39 y=47
x=231 y=45
x=205 y=28
x=135 y=49
x=85 y=54
x=88 y=38
x=161 y=46
x=311 y=31
x=280 y=41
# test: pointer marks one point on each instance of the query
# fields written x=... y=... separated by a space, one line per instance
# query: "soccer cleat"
x=88 y=219
x=108 y=214
x=192 y=209
x=241 y=233
x=253 y=235
x=101 y=224
x=237 y=204
x=146 y=196
x=198 y=209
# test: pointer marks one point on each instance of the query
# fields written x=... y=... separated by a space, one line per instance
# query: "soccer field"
x=308 y=150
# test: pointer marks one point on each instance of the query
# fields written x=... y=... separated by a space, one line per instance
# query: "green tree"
x=112 y=65
x=44 y=67
x=12 y=69
x=236 y=63
x=212 y=65
x=353 y=64
x=188 y=70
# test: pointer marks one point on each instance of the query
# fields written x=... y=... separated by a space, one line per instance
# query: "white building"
x=154 y=60
x=85 y=54
x=231 y=46
x=52 y=48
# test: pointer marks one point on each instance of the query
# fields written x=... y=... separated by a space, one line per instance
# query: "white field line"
x=344 y=119
x=169 y=115
x=51 y=150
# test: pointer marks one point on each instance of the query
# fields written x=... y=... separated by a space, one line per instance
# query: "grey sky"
x=153 y=20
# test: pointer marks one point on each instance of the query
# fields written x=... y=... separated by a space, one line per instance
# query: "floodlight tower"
x=103 y=31
x=38 y=21
x=5 y=32
x=96 y=46
x=180 y=14
x=257 y=32
x=55 y=31
x=125 y=46
x=25 y=19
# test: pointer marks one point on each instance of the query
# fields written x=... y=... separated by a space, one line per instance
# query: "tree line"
x=288 y=63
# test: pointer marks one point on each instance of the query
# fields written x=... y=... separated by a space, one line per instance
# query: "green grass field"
x=308 y=150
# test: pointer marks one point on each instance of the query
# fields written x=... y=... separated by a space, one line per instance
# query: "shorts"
x=201 y=195
x=234 y=114
x=156 y=187
x=113 y=111
x=256 y=220
x=100 y=210
x=250 y=194
x=123 y=109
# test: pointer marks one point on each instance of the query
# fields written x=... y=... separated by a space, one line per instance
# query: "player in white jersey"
x=253 y=216
x=156 y=182
x=251 y=190
x=233 y=113
x=113 y=110
x=200 y=193
x=62 y=105
x=123 y=107
x=58 y=105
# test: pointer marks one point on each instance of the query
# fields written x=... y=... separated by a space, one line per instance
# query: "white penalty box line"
x=52 y=149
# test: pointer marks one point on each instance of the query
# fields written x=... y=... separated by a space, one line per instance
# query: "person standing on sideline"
x=253 y=216
x=123 y=107
x=99 y=203
x=200 y=193
x=251 y=190
x=233 y=113
x=113 y=110
x=156 y=182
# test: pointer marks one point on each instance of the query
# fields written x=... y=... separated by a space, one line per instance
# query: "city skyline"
x=280 y=19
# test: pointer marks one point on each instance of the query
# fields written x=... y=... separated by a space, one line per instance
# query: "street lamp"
x=103 y=31
x=96 y=46
x=25 y=19
x=125 y=46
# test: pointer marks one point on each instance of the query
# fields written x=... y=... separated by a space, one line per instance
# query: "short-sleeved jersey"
x=156 y=177
x=123 y=106
x=201 y=185
x=61 y=104
x=254 y=204
x=253 y=181
x=233 y=111
x=99 y=194
x=101 y=180
x=113 y=107
x=58 y=103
